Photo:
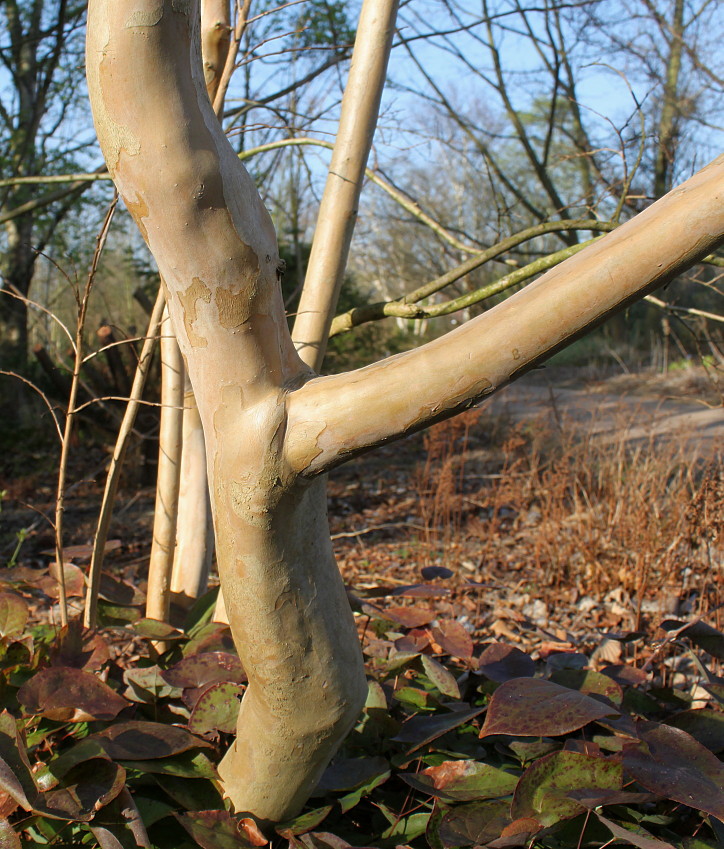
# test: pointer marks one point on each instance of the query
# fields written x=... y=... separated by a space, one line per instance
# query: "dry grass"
x=641 y=521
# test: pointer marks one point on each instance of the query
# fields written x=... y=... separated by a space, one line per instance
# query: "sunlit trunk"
x=272 y=427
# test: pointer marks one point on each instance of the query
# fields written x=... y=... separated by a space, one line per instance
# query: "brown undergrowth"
x=559 y=519
x=538 y=611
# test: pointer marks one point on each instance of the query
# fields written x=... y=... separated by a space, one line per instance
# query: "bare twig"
x=72 y=411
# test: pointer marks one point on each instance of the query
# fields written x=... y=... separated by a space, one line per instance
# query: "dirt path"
x=635 y=411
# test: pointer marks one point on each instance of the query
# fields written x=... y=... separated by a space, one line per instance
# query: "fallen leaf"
x=500 y=662
x=66 y=694
x=531 y=707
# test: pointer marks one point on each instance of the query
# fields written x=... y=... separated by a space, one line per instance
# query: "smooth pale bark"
x=216 y=250
x=160 y=564
x=215 y=42
x=271 y=427
x=338 y=209
x=194 y=531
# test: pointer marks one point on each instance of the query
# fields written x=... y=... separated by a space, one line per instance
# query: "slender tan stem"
x=194 y=530
x=70 y=415
x=119 y=452
x=338 y=209
x=712 y=316
x=43 y=201
x=39 y=179
x=160 y=565
x=215 y=43
x=242 y=19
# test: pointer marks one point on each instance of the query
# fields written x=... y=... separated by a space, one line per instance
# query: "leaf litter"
x=537 y=677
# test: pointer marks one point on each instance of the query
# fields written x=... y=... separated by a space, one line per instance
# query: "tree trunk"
x=272 y=427
x=668 y=126
x=286 y=601
x=17 y=267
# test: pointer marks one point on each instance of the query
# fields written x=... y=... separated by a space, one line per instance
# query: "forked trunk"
x=217 y=253
x=272 y=427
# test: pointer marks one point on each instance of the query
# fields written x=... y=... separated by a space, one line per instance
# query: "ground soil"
x=436 y=520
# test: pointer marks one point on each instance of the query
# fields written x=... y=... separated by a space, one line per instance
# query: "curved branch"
x=400 y=308
x=405 y=308
x=332 y=419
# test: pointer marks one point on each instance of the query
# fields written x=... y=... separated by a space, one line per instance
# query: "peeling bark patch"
x=197 y=290
x=234 y=308
x=113 y=137
x=248 y=504
x=304 y=445
x=139 y=210
x=145 y=17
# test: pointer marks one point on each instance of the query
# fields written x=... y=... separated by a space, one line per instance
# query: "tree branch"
x=332 y=419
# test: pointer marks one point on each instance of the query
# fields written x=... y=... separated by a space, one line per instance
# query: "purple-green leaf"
x=409 y=617
x=217 y=709
x=500 y=663
x=463 y=781
x=214 y=830
x=589 y=683
x=670 y=763
x=530 y=707
x=10 y=784
x=700 y=634
x=475 y=823
x=79 y=648
x=349 y=800
x=50 y=775
x=206 y=668
x=211 y=637
x=704 y=725
x=350 y=773
x=119 y=825
x=452 y=638
x=634 y=837
x=146 y=685
x=69 y=695
x=120 y=592
x=191 y=764
x=305 y=822
x=154 y=629
x=543 y=790
x=86 y=788
x=15 y=758
x=440 y=677
x=424 y=729
x=191 y=795
x=358 y=776
x=421 y=591
x=8 y=837
x=138 y=740
x=13 y=615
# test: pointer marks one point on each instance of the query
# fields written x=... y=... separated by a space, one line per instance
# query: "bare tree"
x=40 y=55
x=272 y=426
